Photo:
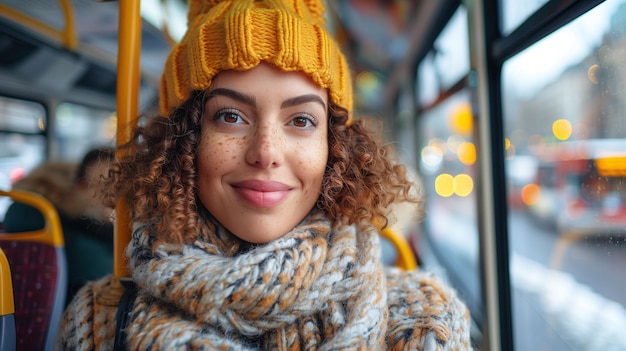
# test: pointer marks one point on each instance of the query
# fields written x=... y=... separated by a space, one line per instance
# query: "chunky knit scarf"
x=317 y=288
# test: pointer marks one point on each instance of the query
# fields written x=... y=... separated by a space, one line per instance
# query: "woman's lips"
x=261 y=193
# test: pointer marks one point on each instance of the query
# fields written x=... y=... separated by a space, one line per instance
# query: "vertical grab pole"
x=70 y=39
x=129 y=50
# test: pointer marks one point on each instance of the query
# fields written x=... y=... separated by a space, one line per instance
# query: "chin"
x=261 y=236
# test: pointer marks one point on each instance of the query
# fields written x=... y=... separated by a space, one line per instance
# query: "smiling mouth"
x=262 y=194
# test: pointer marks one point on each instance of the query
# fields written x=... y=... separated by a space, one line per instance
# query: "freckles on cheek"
x=237 y=148
x=219 y=151
x=312 y=162
x=209 y=153
x=313 y=155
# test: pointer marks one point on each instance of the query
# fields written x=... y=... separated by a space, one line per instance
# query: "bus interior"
x=511 y=115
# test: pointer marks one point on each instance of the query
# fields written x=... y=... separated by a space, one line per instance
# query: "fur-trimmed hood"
x=55 y=181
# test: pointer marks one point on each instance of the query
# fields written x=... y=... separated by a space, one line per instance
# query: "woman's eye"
x=229 y=117
x=303 y=122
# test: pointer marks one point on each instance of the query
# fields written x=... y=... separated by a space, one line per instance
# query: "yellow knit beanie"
x=239 y=34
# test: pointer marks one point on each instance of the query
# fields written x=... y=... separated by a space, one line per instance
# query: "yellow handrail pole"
x=67 y=37
x=70 y=39
x=129 y=52
x=7 y=302
x=29 y=22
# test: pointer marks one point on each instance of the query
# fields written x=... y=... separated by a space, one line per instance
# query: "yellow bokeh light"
x=444 y=185
x=463 y=185
x=466 y=152
x=507 y=143
x=562 y=129
x=461 y=119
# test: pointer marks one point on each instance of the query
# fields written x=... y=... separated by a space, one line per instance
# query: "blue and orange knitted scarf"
x=319 y=287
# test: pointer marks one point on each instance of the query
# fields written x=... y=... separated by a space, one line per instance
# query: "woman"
x=253 y=197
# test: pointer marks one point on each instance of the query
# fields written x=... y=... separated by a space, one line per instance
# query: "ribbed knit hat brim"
x=239 y=34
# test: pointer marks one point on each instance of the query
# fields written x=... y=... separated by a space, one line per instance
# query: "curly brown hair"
x=157 y=174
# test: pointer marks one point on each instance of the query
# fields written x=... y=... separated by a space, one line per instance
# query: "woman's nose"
x=266 y=148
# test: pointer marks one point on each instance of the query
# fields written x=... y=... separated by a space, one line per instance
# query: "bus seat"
x=405 y=258
x=7 y=306
x=39 y=274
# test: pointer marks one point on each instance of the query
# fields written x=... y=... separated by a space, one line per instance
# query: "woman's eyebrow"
x=251 y=100
x=299 y=100
x=235 y=95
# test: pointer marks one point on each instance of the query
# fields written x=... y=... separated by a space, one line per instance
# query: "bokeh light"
x=466 y=153
x=592 y=73
x=530 y=194
x=463 y=185
x=562 y=129
x=461 y=119
x=444 y=185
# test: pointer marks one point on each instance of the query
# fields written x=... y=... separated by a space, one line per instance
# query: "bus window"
x=21 y=116
x=448 y=241
x=448 y=62
x=447 y=167
x=79 y=128
x=564 y=103
x=22 y=143
x=514 y=12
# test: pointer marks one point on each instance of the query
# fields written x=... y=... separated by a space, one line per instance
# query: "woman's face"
x=263 y=150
